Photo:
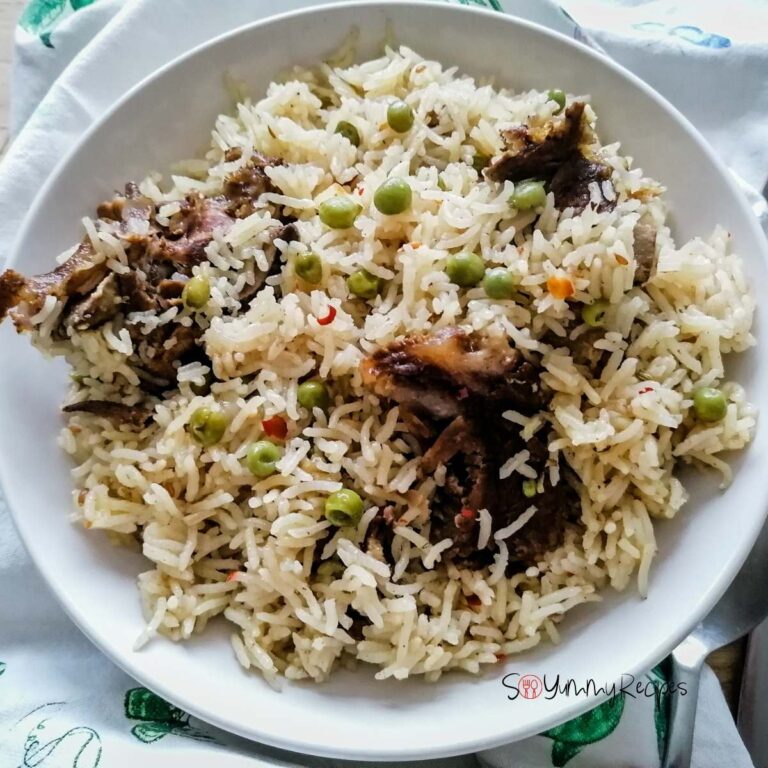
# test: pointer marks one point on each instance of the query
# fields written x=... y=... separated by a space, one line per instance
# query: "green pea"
x=709 y=404
x=349 y=132
x=594 y=314
x=313 y=394
x=528 y=194
x=262 y=457
x=329 y=568
x=530 y=488
x=400 y=117
x=207 y=426
x=344 y=508
x=393 y=197
x=339 y=212
x=465 y=269
x=363 y=284
x=499 y=283
x=557 y=96
x=196 y=292
x=309 y=268
x=480 y=161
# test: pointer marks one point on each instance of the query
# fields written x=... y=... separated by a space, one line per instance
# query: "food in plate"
x=402 y=371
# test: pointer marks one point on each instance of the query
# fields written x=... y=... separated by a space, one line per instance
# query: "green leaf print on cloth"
x=41 y=16
x=158 y=717
x=661 y=703
x=571 y=737
x=51 y=740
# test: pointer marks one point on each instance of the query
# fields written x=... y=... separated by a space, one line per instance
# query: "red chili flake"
x=500 y=657
x=621 y=260
x=360 y=191
x=644 y=390
x=473 y=601
x=463 y=393
x=275 y=427
x=326 y=319
x=232 y=575
x=467 y=513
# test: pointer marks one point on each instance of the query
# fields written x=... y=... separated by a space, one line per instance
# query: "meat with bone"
x=21 y=297
x=97 y=307
x=243 y=186
x=458 y=385
x=538 y=151
x=574 y=181
x=160 y=260
x=191 y=230
x=431 y=374
x=554 y=150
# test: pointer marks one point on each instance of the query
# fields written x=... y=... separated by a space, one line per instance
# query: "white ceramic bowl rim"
x=454 y=743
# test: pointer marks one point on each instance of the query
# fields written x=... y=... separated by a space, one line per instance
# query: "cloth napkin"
x=63 y=704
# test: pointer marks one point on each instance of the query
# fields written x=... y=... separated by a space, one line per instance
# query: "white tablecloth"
x=62 y=704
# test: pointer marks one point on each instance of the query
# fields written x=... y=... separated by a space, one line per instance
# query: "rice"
x=484 y=529
x=505 y=533
x=259 y=551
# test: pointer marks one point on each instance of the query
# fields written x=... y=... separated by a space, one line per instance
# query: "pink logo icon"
x=531 y=686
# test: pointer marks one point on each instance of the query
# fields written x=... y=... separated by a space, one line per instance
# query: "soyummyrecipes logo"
x=527 y=686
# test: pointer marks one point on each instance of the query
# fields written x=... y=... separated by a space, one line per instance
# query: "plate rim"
x=457 y=746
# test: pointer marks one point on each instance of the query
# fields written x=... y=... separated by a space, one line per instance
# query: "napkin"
x=64 y=705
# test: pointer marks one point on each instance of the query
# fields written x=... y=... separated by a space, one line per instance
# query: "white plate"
x=169 y=117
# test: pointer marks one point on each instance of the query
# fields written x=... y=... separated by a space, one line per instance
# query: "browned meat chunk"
x=553 y=151
x=571 y=184
x=111 y=210
x=472 y=483
x=131 y=209
x=455 y=437
x=191 y=230
x=245 y=185
x=93 y=293
x=97 y=307
x=118 y=413
x=12 y=287
x=645 y=250
x=161 y=257
x=171 y=289
x=21 y=297
x=137 y=293
x=432 y=374
x=165 y=348
x=457 y=386
x=378 y=539
x=287 y=232
x=539 y=151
